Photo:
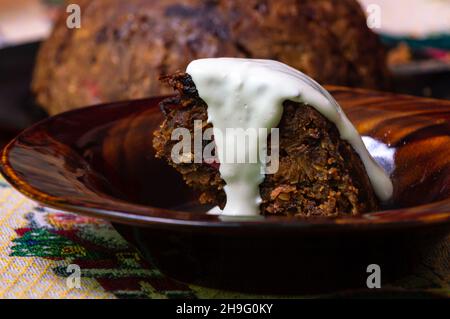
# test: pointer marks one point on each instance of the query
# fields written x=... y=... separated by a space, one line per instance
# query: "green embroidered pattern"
x=99 y=251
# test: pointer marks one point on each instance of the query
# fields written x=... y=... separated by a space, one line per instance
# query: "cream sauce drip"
x=249 y=94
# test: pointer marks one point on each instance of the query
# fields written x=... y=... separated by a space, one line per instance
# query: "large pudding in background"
x=123 y=46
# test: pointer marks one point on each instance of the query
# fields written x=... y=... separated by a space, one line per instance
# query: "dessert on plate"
x=323 y=167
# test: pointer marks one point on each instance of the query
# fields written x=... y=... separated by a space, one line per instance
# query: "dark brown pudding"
x=319 y=173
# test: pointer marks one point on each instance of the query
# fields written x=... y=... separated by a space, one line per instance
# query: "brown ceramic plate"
x=99 y=161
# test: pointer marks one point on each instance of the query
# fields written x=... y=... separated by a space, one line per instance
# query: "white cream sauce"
x=247 y=93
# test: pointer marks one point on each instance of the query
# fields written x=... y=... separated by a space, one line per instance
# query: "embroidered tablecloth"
x=38 y=245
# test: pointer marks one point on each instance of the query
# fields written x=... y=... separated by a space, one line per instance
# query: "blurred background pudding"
x=124 y=46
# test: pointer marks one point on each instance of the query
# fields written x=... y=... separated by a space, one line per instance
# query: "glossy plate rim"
x=427 y=215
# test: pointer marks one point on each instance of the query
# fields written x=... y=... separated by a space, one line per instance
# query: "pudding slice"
x=322 y=167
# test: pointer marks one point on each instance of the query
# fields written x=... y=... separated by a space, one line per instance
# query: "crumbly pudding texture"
x=319 y=175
